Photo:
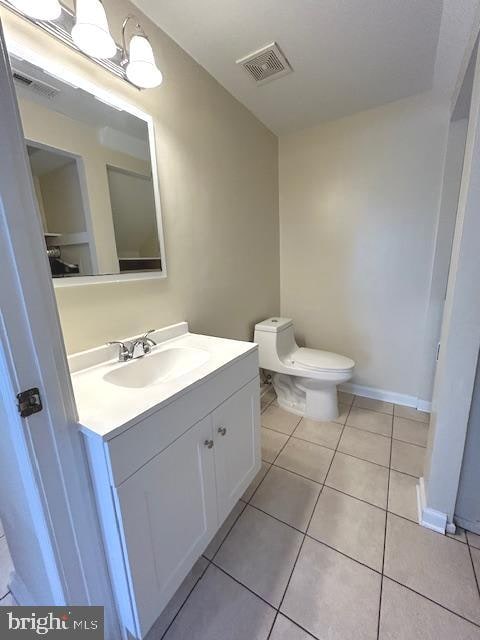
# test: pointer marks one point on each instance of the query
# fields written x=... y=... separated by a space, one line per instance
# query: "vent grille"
x=38 y=87
x=266 y=64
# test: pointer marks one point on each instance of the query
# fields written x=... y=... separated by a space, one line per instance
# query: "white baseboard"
x=430 y=518
x=387 y=396
x=424 y=405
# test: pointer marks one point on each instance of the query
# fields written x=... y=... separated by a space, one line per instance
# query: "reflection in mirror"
x=92 y=171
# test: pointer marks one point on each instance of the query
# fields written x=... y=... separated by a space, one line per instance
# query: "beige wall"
x=219 y=191
x=359 y=200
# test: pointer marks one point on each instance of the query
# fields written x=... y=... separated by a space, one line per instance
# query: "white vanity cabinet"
x=165 y=485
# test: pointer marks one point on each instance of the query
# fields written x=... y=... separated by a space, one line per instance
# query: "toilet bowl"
x=305 y=380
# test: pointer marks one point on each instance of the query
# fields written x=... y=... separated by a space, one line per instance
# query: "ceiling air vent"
x=266 y=64
x=32 y=84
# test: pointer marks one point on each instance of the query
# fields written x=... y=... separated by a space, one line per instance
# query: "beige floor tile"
x=272 y=442
x=221 y=609
x=288 y=497
x=373 y=405
x=473 y=539
x=359 y=479
x=221 y=534
x=407 y=616
x=325 y=433
x=410 y=431
x=411 y=413
x=267 y=398
x=285 y=629
x=433 y=565
x=476 y=562
x=256 y=481
x=370 y=421
x=260 y=552
x=345 y=398
x=332 y=596
x=350 y=526
x=178 y=599
x=280 y=420
x=407 y=458
x=365 y=445
x=343 y=411
x=307 y=459
x=460 y=535
x=402 y=495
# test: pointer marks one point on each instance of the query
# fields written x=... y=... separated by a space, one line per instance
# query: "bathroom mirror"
x=94 y=173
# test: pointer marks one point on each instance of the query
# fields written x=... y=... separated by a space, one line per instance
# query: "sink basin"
x=157 y=367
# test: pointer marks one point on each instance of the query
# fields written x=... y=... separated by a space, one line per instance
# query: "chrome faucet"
x=135 y=348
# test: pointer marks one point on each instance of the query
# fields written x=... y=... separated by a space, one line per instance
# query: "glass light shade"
x=91 y=33
x=141 y=69
x=39 y=9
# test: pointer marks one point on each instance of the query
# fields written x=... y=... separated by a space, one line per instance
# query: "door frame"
x=34 y=355
x=459 y=344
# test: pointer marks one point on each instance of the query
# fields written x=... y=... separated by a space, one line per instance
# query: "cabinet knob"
x=222 y=431
x=208 y=443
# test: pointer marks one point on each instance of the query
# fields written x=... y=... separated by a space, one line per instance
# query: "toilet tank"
x=275 y=339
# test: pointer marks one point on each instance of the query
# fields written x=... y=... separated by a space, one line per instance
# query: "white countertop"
x=106 y=409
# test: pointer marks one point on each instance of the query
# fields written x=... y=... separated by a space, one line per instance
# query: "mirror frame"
x=59 y=71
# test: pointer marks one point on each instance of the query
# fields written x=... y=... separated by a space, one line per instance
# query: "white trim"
x=427 y=517
x=424 y=405
x=55 y=68
x=386 y=396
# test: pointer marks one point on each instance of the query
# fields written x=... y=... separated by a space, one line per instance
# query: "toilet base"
x=313 y=399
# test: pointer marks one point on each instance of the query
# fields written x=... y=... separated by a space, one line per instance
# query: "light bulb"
x=141 y=69
x=91 y=33
x=39 y=9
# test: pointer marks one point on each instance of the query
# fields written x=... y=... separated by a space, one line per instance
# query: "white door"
x=169 y=513
x=236 y=428
x=55 y=542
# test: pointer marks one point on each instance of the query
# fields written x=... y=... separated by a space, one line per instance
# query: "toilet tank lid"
x=274 y=324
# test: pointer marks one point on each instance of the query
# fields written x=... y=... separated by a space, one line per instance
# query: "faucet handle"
x=124 y=353
x=146 y=338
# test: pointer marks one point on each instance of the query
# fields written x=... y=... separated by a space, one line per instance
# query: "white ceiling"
x=347 y=55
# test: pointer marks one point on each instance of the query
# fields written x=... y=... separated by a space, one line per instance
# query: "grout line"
x=422 y=595
x=477 y=578
x=186 y=598
x=384 y=539
x=305 y=535
x=228 y=532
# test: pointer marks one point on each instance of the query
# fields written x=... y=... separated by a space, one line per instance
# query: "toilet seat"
x=321 y=361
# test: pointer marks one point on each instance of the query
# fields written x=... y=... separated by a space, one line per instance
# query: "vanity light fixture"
x=91 y=33
x=141 y=68
x=39 y=9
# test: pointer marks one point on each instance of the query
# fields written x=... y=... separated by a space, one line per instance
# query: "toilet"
x=305 y=380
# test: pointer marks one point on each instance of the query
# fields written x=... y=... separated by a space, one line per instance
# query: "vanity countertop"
x=107 y=409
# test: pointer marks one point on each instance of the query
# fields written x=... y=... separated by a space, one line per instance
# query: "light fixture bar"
x=61 y=29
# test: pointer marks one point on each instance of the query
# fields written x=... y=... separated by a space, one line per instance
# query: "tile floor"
x=324 y=544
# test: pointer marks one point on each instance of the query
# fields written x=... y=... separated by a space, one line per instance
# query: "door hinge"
x=438 y=351
x=29 y=402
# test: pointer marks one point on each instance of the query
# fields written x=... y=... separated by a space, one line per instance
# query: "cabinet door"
x=236 y=429
x=169 y=514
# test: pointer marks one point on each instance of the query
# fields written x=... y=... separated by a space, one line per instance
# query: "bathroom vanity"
x=173 y=440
